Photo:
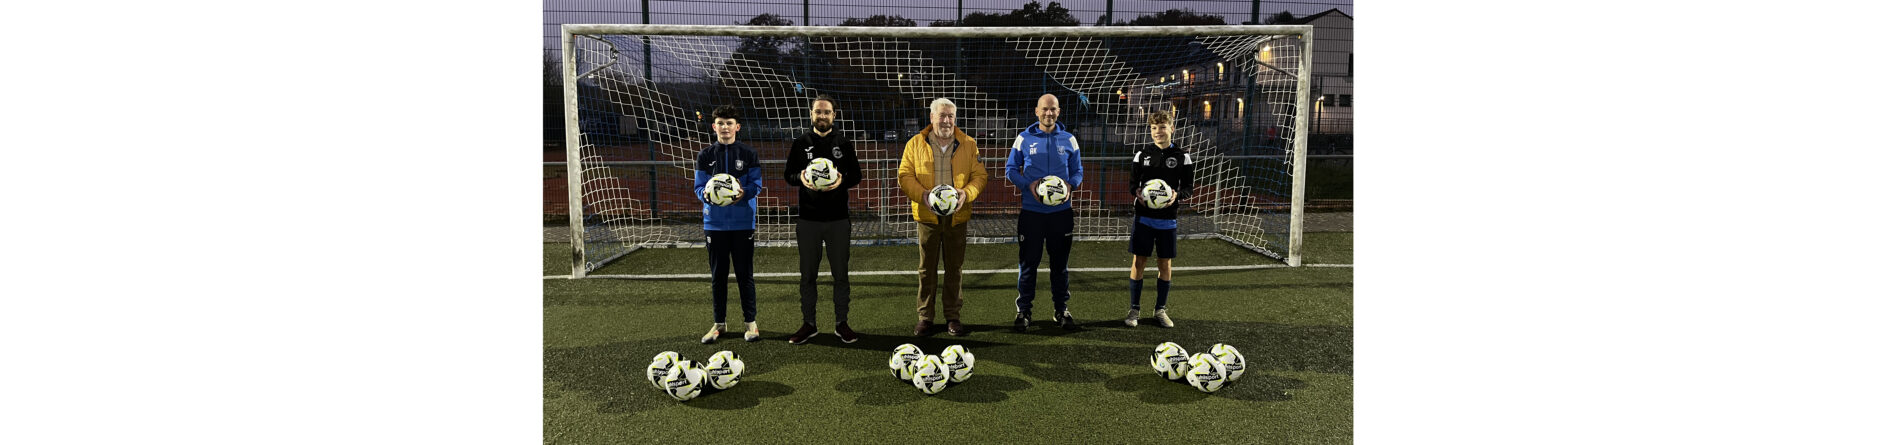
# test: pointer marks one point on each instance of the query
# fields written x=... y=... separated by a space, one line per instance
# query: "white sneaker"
x=1161 y=316
x=752 y=331
x=1134 y=318
x=713 y=335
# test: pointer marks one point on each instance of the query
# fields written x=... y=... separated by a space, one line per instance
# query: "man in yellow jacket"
x=941 y=155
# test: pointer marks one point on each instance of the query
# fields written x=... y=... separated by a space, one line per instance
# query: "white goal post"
x=637 y=101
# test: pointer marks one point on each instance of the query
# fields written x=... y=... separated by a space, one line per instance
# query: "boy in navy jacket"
x=729 y=228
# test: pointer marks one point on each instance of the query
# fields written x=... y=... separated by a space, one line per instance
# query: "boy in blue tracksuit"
x=1042 y=150
x=729 y=227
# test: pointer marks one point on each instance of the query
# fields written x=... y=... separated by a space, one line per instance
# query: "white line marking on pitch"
x=913 y=272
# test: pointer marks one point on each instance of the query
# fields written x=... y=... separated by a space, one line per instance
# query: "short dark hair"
x=726 y=112
x=1160 y=118
x=824 y=98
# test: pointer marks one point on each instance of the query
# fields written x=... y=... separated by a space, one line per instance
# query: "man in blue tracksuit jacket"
x=1042 y=150
x=729 y=227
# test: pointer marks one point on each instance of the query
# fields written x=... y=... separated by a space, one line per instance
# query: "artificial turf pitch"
x=1294 y=325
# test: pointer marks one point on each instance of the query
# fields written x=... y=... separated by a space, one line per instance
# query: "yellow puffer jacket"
x=916 y=173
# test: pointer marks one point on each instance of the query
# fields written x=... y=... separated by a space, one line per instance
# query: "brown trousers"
x=945 y=241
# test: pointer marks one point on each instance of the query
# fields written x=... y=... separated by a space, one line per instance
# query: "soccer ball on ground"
x=904 y=360
x=656 y=372
x=1169 y=360
x=821 y=173
x=1231 y=359
x=723 y=189
x=931 y=375
x=1206 y=373
x=959 y=361
x=1053 y=191
x=723 y=370
x=684 y=382
x=1157 y=194
x=943 y=200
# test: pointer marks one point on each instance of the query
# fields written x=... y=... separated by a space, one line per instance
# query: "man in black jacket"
x=824 y=218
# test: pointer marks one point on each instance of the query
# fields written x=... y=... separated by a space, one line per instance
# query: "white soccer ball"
x=656 y=372
x=723 y=370
x=1231 y=359
x=821 y=173
x=1157 y=194
x=959 y=361
x=684 y=382
x=1053 y=191
x=943 y=200
x=1169 y=360
x=1206 y=373
x=723 y=189
x=931 y=375
x=904 y=361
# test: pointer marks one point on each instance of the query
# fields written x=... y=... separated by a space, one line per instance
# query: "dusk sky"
x=830 y=12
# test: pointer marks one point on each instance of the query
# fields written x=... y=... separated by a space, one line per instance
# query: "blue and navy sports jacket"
x=741 y=162
x=1038 y=154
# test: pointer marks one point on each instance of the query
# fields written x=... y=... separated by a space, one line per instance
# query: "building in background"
x=1332 y=69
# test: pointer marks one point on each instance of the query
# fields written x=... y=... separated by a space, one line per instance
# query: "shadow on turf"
x=1152 y=388
x=746 y=395
x=885 y=390
x=613 y=373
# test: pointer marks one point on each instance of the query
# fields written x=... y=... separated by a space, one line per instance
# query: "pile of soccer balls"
x=932 y=373
x=683 y=379
x=1206 y=371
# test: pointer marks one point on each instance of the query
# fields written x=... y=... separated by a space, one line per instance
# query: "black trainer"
x=845 y=334
x=1022 y=322
x=804 y=334
x=1067 y=321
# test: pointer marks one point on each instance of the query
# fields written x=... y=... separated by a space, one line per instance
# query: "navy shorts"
x=1149 y=241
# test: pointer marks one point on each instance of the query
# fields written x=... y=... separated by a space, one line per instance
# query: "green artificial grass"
x=1046 y=385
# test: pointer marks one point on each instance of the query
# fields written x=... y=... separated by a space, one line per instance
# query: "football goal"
x=639 y=100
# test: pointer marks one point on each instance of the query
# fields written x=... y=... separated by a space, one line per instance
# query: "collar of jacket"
x=815 y=137
x=956 y=137
x=1035 y=129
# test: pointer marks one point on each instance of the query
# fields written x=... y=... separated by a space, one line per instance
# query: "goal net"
x=639 y=101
